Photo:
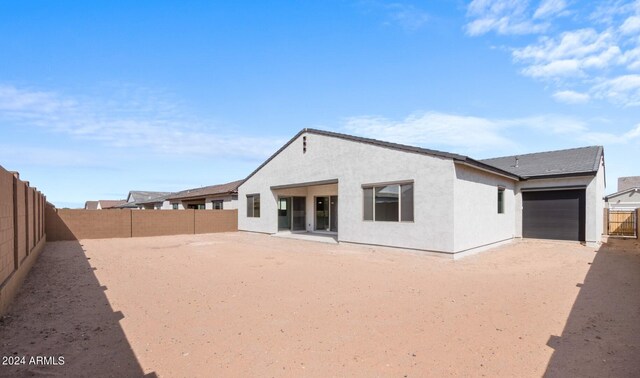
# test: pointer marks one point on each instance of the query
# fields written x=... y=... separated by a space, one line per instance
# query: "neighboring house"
x=373 y=192
x=109 y=204
x=137 y=198
x=215 y=197
x=628 y=195
x=157 y=203
x=91 y=205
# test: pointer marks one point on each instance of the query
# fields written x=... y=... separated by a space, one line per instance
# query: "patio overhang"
x=305 y=184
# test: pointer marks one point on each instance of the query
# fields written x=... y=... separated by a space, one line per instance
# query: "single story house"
x=136 y=198
x=214 y=197
x=362 y=190
x=628 y=195
x=156 y=203
x=109 y=204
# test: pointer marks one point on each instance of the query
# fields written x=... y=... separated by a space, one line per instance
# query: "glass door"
x=322 y=213
x=299 y=205
x=284 y=213
x=333 y=213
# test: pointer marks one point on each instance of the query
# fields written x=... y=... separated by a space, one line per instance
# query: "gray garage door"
x=556 y=214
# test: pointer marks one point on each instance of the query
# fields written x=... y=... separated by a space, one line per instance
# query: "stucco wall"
x=475 y=208
x=354 y=164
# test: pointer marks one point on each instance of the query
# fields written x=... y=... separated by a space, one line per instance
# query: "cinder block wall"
x=158 y=222
x=65 y=224
x=22 y=235
x=218 y=220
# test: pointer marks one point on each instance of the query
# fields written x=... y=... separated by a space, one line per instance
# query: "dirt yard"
x=240 y=304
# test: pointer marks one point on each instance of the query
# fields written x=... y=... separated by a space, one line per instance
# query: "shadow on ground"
x=62 y=311
x=608 y=304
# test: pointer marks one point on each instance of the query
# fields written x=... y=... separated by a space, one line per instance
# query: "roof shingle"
x=228 y=188
x=551 y=163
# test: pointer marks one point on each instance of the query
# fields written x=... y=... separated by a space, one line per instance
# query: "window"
x=500 y=200
x=196 y=206
x=388 y=203
x=253 y=206
x=174 y=206
x=217 y=204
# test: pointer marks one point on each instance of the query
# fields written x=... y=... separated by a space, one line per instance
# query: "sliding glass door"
x=326 y=213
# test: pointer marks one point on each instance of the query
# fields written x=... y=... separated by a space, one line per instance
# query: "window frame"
x=373 y=187
x=175 y=206
x=251 y=210
x=501 y=190
x=217 y=202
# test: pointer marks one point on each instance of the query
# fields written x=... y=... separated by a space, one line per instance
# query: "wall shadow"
x=602 y=335
x=62 y=310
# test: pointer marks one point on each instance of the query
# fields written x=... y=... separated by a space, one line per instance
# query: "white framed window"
x=174 y=206
x=388 y=202
x=500 y=200
x=217 y=204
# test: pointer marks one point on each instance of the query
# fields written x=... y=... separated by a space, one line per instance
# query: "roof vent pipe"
x=517 y=161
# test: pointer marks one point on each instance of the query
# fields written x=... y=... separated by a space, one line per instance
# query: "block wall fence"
x=71 y=224
x=22 y=232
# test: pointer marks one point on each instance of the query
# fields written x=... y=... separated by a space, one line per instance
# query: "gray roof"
x=161 y=198
x=571 y=162
x=620 y=192
x=205 y=191
x=140 y=195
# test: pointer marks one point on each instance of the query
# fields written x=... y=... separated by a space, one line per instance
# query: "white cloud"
x=409 y=17
x=141 y=120
x=465 y=134
x=432 y=128
x=631 y=25
x=502 y=16
x=611 y=138
x=548 y=8
x=624 y=90
x=571 y=97
x=601 y=58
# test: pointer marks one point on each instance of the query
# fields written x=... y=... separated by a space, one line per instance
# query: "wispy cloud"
x=600 y=59
x=471 y=134
x=571 y=97
x=135 y=119
x=409 y=17
x=503 y=17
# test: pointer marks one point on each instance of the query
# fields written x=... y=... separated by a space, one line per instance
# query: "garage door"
x=555 y=214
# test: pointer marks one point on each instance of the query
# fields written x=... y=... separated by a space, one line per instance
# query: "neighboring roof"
x=634 y=189
x=393 y=146
x=108 y=204
x=161 y=198
x=141 y=195
x=625 y=183
x=91 y=205
x=571 y=162
x=228 y=188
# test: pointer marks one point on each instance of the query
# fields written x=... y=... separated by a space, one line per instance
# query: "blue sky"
x=102 y=97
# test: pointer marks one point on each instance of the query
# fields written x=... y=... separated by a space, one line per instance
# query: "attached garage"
x=554 y=214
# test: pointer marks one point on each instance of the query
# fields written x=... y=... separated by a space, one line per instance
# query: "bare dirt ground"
x=240 y=304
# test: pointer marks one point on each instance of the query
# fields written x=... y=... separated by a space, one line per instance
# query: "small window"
x=388 y=203
x=253 y=206
x=174 y=206
x=500 y=200
x=217 y=204
x=368 y=203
